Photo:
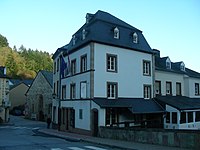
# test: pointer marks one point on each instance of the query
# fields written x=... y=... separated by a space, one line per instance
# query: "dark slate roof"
x=17 y=82
x=100 y=29
x=135 y=105
x=179 y=102
x=59 y=51
x=160 y=64
x=48 y=76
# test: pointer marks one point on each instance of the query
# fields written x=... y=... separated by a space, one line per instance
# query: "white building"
x=104 y=77
x=177 y=90
x=4 y=96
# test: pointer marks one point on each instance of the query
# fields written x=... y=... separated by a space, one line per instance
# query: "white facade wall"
x=129 y=74
x=82 y=77
x=191 y=87
x=170 y=77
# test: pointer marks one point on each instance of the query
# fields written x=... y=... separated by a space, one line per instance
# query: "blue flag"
x=63 y=66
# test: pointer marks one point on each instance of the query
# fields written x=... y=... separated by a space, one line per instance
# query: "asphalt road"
x=20 y=136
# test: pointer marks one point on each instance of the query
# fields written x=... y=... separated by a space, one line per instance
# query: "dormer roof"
x=160 y=64
x=100 y=30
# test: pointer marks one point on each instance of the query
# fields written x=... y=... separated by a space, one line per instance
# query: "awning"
x=135 y=105
x=179 y=102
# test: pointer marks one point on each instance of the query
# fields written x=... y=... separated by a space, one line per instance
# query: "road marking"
x=56 y=149
x=95 y=148
x=75 y=148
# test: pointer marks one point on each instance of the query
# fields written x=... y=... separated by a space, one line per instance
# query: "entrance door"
x=95 y=122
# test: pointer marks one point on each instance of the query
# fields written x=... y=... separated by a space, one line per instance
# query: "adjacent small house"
x=39 y=96
x=18 y=89
x=177 y=90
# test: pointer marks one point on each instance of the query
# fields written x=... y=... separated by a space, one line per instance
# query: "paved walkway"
x=106 y=142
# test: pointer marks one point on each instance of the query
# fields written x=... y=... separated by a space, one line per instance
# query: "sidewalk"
x=106 y=142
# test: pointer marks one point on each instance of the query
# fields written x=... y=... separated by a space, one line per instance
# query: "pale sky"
x=172 y=26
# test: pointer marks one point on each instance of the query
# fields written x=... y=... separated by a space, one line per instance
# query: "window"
x=54 y=67
x=116 y=33
x=168 y=117
x=196 y=88
x=135 y=37
x=58 y=64
x=54 y=88
x=174 y=117
x=182 y=66
x=111 y=63
x=83 y=87
x=64 y=92
x=80 y=113
x=178 y=88
x=57 y=88
x=111 y=90
x=183 y=117
x=73 y=40
x=111 y=116
x=158 y=88
x=190 y=117
x=83 y=34
x=146 y=68
x=73 y=67
x=147 y=91
x=197 y=116
x=168 y=63
x=73 y=91
x=168 y=88
x=83 y=63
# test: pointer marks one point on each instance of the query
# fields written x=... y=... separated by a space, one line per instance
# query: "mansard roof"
x=179 y=102
x=160 y=64
x=100 y=27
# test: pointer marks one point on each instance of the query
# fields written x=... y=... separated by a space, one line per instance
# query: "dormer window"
x=135 y=37
x=168 y=63
x=83 y=34
x=182 y=66
x=116 y=33
x=73 y=40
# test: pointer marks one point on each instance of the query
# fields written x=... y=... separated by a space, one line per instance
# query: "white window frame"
x=146 y=68
x=73 y=40
x=73 y=91
x=116 y=33
x=112 y=90
x=83 y=34
x=111 y=63
x=83 y=90
x=168 y=88
x=84 y=63
x=135 y=37
x=147 y=91
x=73 y=67
x=168 y=63
x=197 y=89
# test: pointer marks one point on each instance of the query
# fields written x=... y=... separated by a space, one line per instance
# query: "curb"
x=71 y=139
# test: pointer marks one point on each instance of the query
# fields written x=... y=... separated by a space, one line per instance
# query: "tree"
x=3 y=41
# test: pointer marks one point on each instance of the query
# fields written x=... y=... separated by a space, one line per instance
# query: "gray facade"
x=39 y=96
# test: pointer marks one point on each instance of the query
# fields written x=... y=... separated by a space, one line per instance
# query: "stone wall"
x=176 y=138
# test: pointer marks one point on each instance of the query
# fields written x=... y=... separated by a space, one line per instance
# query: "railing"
x=140 y=124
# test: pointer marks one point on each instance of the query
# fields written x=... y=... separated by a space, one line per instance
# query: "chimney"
x=156 y=53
